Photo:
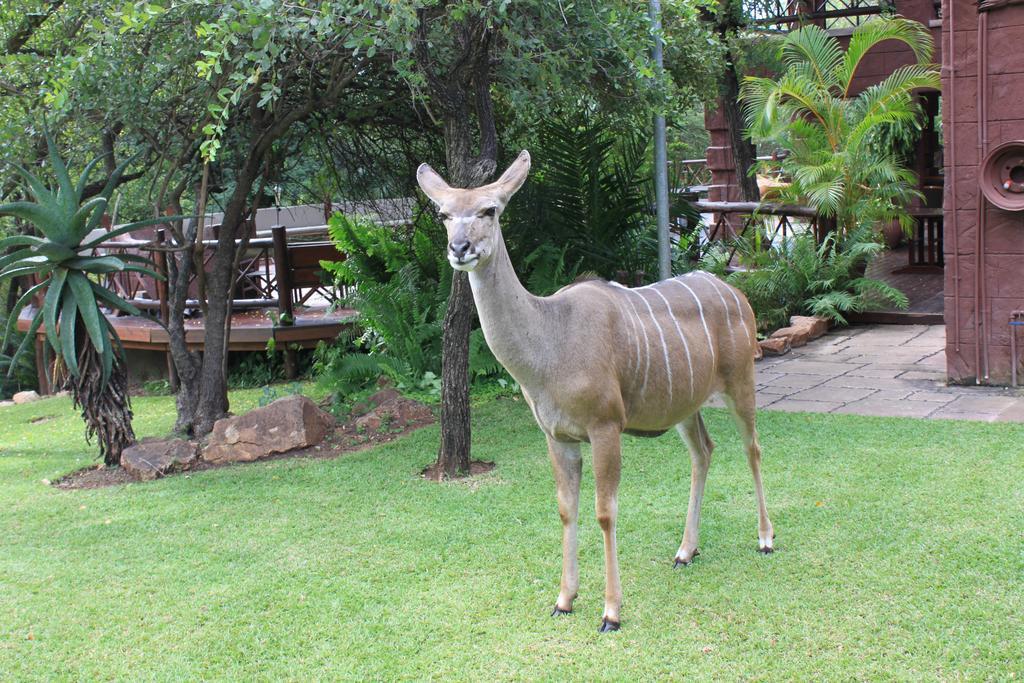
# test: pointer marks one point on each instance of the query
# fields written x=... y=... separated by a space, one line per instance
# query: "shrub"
x=807 y=278
x=398 y=280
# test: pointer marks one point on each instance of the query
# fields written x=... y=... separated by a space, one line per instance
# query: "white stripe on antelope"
x=570 y=353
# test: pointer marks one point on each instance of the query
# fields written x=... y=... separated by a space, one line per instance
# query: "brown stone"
x=369 y=422
x=411 y=411
x=815 y=325
x=25 y=397
x=152 y=458
x=384 y=396
x=796 y=336
x=775 y=346
x=286 y=424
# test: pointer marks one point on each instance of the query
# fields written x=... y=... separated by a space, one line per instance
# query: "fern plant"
x=587 y=209
x=807 y=278
x=399 y=283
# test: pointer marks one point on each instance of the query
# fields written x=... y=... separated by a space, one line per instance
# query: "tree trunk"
x=213 y=385
x=465 y=96
x=453 y=455
x=106 y=409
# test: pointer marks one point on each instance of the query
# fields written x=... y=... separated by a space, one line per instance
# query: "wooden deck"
x=922 y=285
x=250 y=330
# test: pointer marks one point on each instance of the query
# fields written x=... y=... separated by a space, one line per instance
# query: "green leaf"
x=68 y=325
x=76 y=231
x=108 y=361
x=46 y=221
x=39 y=270
x=83 y=180
x=129 y=227
x=19 y=241
x=114 y=300
x=145 y=271
x=39 y=190
x=66 y=192
x=14 y=257
x=97 y=264
x=12 y=315
x=108 y=190
x=55 y=251
x=29 y=338
x=112 y=335
x=54 y=292
x=87 y=306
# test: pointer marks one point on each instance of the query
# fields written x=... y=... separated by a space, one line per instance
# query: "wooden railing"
x=279 y=268
x=733 y=220
x=829 y=14
x=689 y=175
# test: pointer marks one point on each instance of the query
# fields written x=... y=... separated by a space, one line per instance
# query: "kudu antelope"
x=596 y=359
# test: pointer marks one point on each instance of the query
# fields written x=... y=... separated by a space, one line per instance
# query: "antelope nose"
x=458 y=247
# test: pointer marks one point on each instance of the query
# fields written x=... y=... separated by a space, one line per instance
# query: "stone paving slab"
x=885 y=370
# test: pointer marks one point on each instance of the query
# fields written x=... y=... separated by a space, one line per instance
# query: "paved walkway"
x=887 y=370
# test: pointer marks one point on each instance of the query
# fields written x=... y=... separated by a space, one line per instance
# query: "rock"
x=774 y=346
x=62 y=394
x=408 y=412
x=802 y=329
x=152 y=458
x=796 y=336
x=369 y=422
x=284 y=425
x=384 y=396
x=4 y=404
x=384 y=382
x=815 y=325
x=25 y=397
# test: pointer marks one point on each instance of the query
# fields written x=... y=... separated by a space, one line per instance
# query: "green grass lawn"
x=900 y=554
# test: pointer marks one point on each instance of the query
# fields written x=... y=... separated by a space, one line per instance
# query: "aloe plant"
x=68 y=279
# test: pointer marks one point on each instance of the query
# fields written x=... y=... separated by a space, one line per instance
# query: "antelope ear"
x=513 y=177
x=431 y=183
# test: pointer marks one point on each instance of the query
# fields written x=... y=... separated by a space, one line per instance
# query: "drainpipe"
x=951 y=127
x=1016 y=320
x=660 y=157
x=980 y=324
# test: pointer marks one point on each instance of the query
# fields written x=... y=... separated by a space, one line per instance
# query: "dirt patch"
x=434 y=473
x=397 y=417
x=94 y=477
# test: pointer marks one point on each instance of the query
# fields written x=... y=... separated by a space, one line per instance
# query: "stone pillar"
x=724 y=187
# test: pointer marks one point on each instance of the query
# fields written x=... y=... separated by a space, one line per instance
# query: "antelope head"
x=471 y=215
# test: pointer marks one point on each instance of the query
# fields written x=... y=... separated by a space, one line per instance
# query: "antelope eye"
x=489 y=212
x=444 y=216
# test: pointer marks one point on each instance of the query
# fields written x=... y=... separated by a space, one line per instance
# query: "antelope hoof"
x=559 y=611
x=685 y=561
x=607 y=626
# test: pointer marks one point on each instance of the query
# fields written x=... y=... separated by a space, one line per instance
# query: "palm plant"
x=66 y=277
x=835 y=163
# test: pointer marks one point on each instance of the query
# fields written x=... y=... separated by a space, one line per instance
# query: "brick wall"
x=1002 y=262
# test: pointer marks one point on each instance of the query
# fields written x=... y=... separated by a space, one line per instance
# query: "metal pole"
x=660 y=156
